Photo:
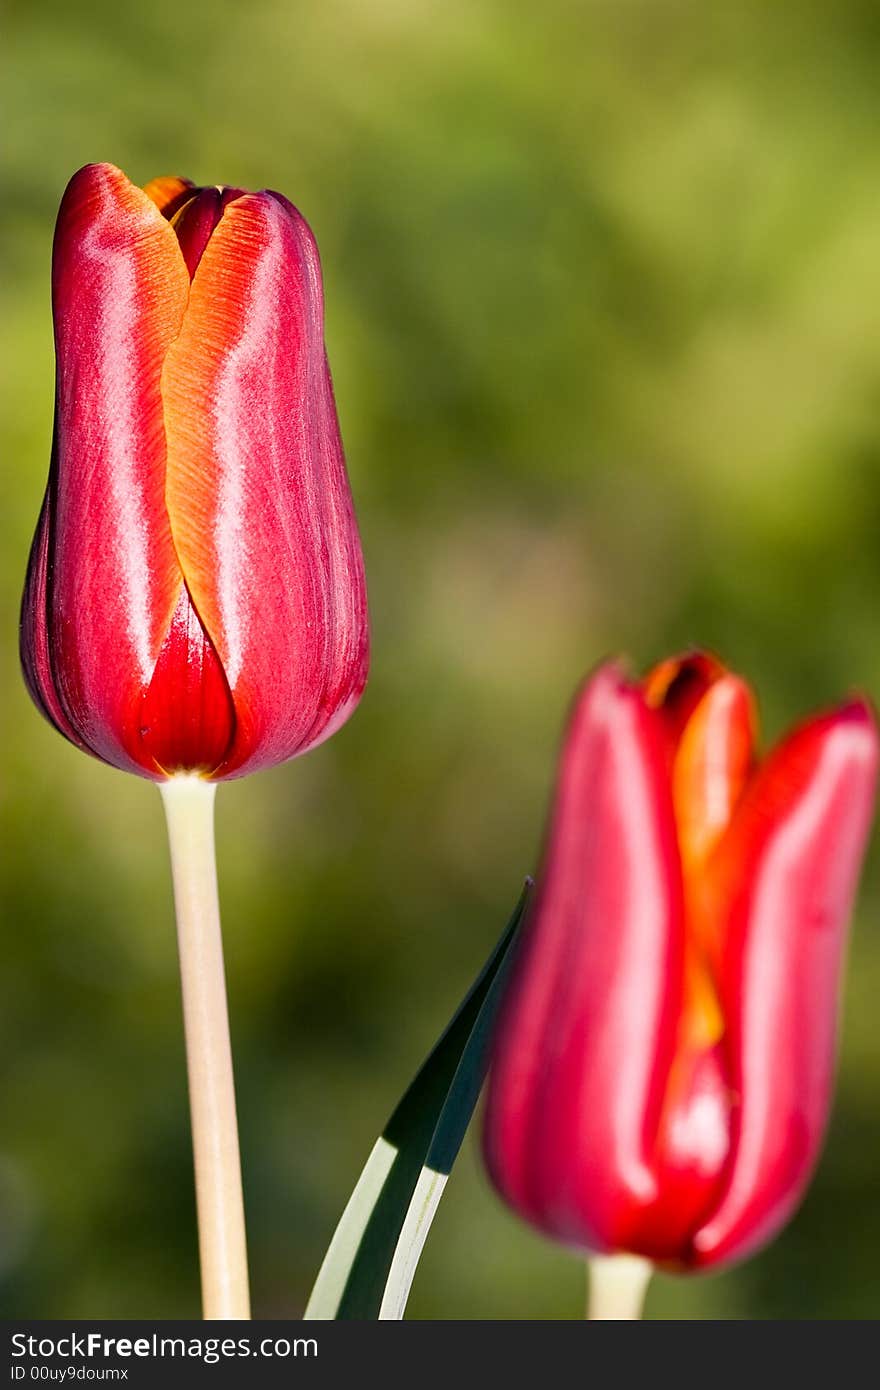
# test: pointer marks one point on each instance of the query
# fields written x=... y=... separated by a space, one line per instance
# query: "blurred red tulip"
x=663 y=1065
x=195 y=597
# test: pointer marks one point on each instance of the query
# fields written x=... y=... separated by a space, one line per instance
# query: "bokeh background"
x=603 y=289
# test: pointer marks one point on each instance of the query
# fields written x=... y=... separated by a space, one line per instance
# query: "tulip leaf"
x=371 y=1261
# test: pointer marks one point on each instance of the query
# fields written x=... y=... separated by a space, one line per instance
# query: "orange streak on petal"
x=711 y=765
x=222 y=306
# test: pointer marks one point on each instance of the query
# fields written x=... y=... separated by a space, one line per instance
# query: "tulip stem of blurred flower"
x=189 y=811
x=616 y=1287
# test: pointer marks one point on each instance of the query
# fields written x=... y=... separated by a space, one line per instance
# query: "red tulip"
x=663 y=1064
x=195 y=597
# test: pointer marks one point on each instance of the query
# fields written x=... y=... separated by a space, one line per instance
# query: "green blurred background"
x=603 y=291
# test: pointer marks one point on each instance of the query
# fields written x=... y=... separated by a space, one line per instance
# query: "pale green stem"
x=189 y=811
x=616 y=1287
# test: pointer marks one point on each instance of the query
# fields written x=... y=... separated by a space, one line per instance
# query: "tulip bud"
x=195 y=597
x=662 y=1067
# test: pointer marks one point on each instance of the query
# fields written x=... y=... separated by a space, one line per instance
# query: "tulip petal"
x=691 y=1153
x=676 y=686
x=34 y=647
x=186 y=719
x=257 y=492
x=794 y=850
x=586 y=1039
x=711 y=766
x=120 y=289
x=196 y=219
x=169 y=193
x=710 y=770
x=193 y=224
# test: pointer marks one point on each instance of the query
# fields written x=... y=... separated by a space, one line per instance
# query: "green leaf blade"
x=370 y=1264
